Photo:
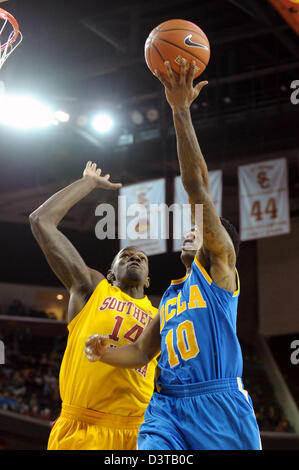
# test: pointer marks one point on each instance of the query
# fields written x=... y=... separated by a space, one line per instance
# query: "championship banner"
x=142 y=216
x=181 y=225
x=263 y=199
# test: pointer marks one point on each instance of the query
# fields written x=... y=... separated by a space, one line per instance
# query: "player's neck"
x=188 y=269
x=136 y=292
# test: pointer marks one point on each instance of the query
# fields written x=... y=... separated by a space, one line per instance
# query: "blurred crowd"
x=17 y=308
x=29 y=378
x=269 y=414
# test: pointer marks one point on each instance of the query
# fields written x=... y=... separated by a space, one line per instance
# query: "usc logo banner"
x=263 y=199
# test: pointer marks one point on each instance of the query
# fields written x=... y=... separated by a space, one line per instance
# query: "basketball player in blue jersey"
x=200 y=402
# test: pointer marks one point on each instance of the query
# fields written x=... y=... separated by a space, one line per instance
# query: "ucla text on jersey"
x=198 y=330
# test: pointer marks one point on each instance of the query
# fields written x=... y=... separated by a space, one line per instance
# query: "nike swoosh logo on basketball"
x=188 y=42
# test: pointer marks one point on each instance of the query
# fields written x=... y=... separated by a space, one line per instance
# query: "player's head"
x=129 y=268
x=192 y=242
x=232 y=231
x=190 y=246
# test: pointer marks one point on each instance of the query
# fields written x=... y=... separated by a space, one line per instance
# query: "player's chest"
x=121 y=320
x=178 y=304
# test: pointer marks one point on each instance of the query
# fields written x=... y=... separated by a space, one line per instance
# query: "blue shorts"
x=214 y=415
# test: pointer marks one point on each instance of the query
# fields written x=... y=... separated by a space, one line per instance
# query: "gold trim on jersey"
x=238 y=285
x=203 y=271
x=210 y=280
x=182 y=279
x=241 y=388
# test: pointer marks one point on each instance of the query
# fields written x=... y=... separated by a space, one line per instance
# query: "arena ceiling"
x=85 y=56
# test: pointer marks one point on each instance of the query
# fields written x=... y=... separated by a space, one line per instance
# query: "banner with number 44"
x=264 y=199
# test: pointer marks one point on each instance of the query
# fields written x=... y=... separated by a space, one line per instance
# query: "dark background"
x=87 y=57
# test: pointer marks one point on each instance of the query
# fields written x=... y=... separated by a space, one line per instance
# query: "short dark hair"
x=126 y=248
x=113 y=261
x=233 y=233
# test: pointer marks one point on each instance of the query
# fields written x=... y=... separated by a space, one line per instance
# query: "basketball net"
x=10 y=35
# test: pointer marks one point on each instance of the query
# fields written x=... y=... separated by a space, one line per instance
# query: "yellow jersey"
x=98 y=386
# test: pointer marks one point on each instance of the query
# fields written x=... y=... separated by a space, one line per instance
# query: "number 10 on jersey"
x=185 y=341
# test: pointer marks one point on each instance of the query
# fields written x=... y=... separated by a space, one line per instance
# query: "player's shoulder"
x=199 y=270
x=149 y=307
x=224 y=282
x=96 y=277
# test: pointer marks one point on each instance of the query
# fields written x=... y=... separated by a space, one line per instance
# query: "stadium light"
x=152 y=114
x=24 y=112
x=61 y=116
x=137 y=117
x=102 y=123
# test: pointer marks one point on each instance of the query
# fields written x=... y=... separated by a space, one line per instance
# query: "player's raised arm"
x=61 y=255
x=131 y=356
x=180 y=94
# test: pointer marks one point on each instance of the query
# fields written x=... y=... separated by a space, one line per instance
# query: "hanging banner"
x=263 y=199
x=142 y=216
x=289 y=10
x=181 y=225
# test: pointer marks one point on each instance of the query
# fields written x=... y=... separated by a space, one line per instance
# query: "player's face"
x=131 y=264
x=190 y=246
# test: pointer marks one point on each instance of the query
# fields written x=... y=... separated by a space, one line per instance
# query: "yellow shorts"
x=84 y=429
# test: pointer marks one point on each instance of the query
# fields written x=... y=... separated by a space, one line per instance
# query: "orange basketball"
x=174 y=40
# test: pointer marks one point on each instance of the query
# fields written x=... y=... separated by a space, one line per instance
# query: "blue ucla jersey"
x=198 y=330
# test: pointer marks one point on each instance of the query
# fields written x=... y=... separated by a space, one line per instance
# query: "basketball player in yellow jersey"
x=102 y=406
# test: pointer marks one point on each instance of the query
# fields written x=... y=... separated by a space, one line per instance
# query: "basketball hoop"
x=10 y=35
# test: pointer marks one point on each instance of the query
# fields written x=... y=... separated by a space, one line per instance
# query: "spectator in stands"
x=29 y=383
x=16 y=308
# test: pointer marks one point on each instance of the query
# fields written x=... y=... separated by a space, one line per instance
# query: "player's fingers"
x=93 y=167
x=170 y=73
x=101 y=340
x=162 y=79
x=94 y=350
x=99 y=347
x=89 y=341
x=107 y=176
x=115 y=185
x=92 y=357
x=99 y=171
x=192 y=71
x=89 y=353
x=200 y=86
x=183 y=71
x=95 y=337
x=92 y=342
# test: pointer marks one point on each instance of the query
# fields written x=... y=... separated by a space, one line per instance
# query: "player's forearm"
x=127 y=357
x=194 y=171
x=55 y=208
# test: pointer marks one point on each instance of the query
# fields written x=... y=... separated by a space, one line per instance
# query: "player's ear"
x=147 y=282
x=110 y=276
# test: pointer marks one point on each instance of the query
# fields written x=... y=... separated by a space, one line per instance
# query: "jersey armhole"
x=203 y=272
x=210 y=281
x=79 y=315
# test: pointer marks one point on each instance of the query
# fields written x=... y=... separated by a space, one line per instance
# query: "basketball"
x=174 y=40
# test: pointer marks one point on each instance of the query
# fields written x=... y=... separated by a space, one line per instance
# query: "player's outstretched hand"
x=91 y=171
x=180 y=92
x=95 y=347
